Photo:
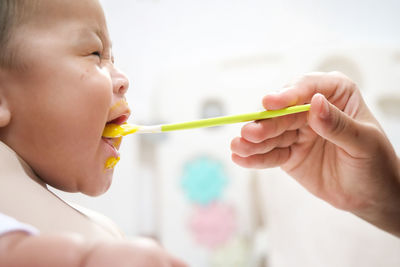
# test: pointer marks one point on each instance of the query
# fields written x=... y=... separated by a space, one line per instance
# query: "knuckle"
x=341 y=76
x=339 y=125
x=307 y=79
x=282 y=155
x=258 y=136
x=147 y=243
x=373 y=136
x=255 y=134
x=352 y=85
x=337 y=74
x=288 y=138
x=248 y=149
x=344 y=82
x=310 y=76
x=267 y=145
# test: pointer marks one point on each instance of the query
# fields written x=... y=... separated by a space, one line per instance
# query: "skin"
x=337 y=150
x=20 y=249
x=59 y=104
x=52 y=113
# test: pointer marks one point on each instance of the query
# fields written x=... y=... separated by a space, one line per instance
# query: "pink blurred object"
x=213 y=225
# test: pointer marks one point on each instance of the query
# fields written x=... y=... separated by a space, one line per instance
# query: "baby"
x=58 y=89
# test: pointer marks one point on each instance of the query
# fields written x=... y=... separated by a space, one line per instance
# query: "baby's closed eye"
x=96 y=53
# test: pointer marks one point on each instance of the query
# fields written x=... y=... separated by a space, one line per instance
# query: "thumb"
x=336 y=126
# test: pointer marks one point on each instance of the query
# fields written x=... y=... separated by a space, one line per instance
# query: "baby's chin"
x=96 y=185
x=91 y=184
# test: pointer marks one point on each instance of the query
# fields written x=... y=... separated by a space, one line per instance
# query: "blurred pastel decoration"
x=203 y=180
x=234 y=254
x=213 y=225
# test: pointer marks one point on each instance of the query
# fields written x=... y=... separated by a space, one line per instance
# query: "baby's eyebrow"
x=85 y=33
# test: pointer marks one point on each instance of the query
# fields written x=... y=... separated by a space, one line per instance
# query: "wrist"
x=383 y=210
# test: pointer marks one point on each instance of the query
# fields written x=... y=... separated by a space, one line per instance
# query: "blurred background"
x=195 y=59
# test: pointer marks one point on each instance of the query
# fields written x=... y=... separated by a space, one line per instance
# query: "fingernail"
x=324 y=112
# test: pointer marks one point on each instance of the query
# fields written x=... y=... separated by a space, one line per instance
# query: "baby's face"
x=70 y=89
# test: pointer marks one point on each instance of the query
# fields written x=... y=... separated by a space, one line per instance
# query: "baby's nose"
x=120 y=83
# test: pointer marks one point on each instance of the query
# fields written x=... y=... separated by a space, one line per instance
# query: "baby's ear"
x=5 y=114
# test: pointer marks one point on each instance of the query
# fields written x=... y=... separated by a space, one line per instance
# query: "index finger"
x=331 y=85
x=258 y=131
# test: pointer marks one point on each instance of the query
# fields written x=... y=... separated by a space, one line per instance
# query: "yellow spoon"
x=113 y=130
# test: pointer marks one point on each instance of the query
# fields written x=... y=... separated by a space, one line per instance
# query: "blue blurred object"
x=203 y=180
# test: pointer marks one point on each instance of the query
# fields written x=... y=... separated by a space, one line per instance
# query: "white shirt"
x=8 y=224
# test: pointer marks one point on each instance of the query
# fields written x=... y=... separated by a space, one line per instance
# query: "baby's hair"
x=12 y=14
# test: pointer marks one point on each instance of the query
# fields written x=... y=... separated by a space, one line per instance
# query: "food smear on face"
x=114 y=130
x=117 y=142
x=119 y=103
x=111 y=162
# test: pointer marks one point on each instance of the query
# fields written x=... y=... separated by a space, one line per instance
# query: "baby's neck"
x=29 y=171
x=24 y=196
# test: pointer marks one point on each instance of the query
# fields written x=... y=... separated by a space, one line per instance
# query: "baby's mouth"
x=115 y=142
x=124 y=113
x=119 y=120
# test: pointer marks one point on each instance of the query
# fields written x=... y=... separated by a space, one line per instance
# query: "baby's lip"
x=120 y=119
x=114 y=144
x=119 y=113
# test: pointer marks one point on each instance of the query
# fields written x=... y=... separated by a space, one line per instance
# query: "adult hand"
x=337 y=150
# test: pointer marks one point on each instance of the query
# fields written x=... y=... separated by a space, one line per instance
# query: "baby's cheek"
x=97 y=80
x=102 y=94
x=98 y=97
